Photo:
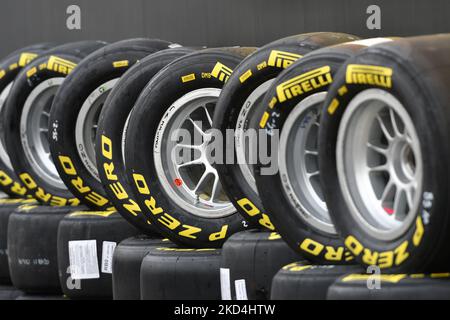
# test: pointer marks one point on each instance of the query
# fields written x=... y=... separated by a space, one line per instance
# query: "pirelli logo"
x=25 y=58
x=282 y=59
x=60 y=65
x=303 y=83
x=369 y=75
x=221 y=72
x=2 y=73
x=121 y=64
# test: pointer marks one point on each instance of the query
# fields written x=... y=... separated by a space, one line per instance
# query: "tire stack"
x=303 y=169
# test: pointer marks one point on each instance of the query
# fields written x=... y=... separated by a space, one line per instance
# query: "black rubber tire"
x=101 y=226
x=106 y=64
x=111 y=127
x=9 y=68
x=420 y=75
x=9 y=293
x=32 y=75
x=180 y=226
x=7 y=206
x=32 y=236
x=128 y=256
x=264 y=65
x=255 y=257
x=289 y=216
x=303 y=281
x=172 y=273
x=391 y=287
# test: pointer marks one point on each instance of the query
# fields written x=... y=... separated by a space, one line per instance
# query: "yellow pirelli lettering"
x=107 y=147
x=304 y=83
x=2 y=73
x=25 y=58
x=141 y=184
x=60 y=65
x=274 y=236
x=353 y=245
x=417 y=238
x=248 y=207
x=247 y=74
x=5 y=179
x=265 y=222
x=219 y=235
x=118 y=190
x=440 y=275
x=104 y=214
x=264 y=118
x=282 y=59
x=295 y=267
x=58 y=201
x=152 y=206
x=132 y=207
x=312 y=247
x=221 y=72
x=369 y=75
x=392 y=278
x=189 y=231
x=96 y=199
x=121 y=63
x=13 y=66
x=188 y=77
x=31 y=72
x=169 y=221
x=67 y=165
x=334 y=254
x=333 y=106
x=28 y=180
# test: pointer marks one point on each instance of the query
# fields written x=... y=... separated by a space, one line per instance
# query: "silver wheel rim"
x=298 y=160
x=379 y=164
x=193 y=185
x=241 y=146
x=3 y=154
x=34 y=131
x=87 y=124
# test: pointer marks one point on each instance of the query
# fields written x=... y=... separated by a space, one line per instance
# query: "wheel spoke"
x=386 y=133
x=187 y=146
x=215 y=188
x=380 y=168
x=410 y=197
x=312 y=174
x=376 y=148
x=394 y=123
x=200 y=182
x=197 y=127
x=311 y=152
x=189 y=163
x=387 y=190
x=208 y=116
x=398 y=214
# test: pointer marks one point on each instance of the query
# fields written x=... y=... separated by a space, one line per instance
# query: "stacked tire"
x=304 y=169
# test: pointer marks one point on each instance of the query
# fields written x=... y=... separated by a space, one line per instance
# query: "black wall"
x=212 y=22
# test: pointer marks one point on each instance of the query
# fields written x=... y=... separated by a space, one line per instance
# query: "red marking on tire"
x=178 y=182
x=389 y=211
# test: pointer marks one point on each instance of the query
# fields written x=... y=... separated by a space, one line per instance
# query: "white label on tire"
x=83 y=259
x=107 y=256
x=225 y=287
x=241 y=289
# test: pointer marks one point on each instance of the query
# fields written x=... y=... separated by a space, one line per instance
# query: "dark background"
x=212 y=22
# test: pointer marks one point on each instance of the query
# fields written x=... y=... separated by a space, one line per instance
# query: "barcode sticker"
x=241 y=289
x=83 y=259
x=107 y=256
x=225 y=283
